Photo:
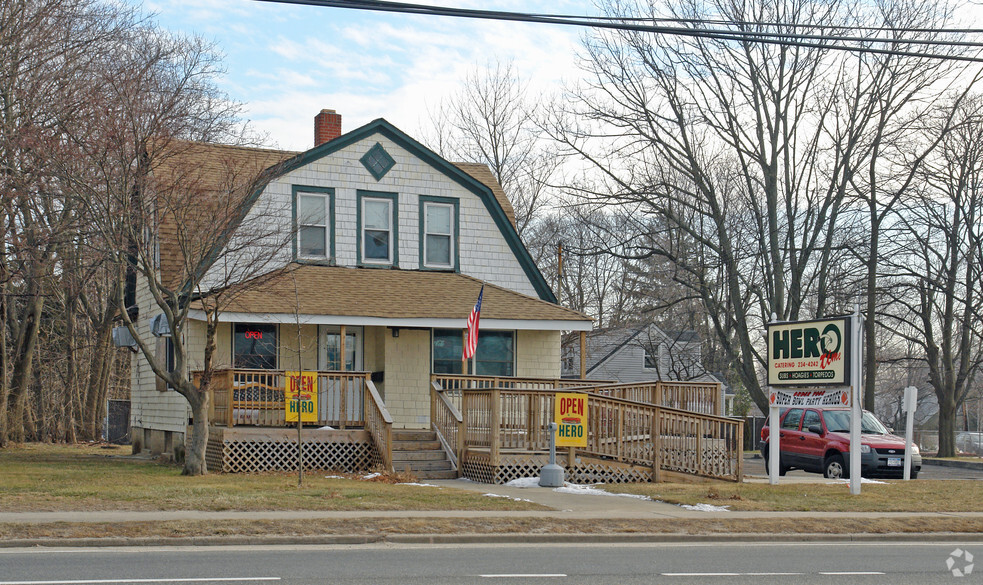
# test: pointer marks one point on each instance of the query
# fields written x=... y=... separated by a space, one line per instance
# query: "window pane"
x=438 y=250
x=376 y=214
x=311 y=210
x=254 y=346
x=447 y=348
x=376 y=245
x=438 y=219
x=332 y=343
x=495 y=353
x=312 y=241
x=792 y=419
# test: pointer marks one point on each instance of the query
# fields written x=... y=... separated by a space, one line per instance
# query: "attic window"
x=377 y=161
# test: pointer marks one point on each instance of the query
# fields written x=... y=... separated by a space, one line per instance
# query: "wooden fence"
x=498 y=420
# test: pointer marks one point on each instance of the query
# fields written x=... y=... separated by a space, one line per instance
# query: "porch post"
x=583 y=355
x=495 y=423
x=343 y=415
x=656 y=445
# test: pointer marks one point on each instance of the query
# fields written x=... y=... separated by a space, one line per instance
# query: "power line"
x=781 y=39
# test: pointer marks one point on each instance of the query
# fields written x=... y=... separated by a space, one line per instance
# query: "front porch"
x=491 y=429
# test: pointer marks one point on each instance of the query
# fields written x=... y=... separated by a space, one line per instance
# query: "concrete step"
x=415 y=445
x=436 y=474
x=413 y=435
x=416 y=466
x=435 y=455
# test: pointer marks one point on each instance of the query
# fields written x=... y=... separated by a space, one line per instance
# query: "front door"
x=340 y=401
x=330 y=348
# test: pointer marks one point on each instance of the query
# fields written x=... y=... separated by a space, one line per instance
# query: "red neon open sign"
x=254 y=335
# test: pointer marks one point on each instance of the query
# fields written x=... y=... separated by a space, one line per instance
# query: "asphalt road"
x=757 y=467
x=623 y=564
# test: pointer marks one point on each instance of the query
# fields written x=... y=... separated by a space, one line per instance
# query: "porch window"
x=314 y=222
x=378 y=236
x=447 y=349
x=495 y=355
x=254 y=346
x=438 y=232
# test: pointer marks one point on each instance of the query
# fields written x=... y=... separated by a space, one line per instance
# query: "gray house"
x=639 y=353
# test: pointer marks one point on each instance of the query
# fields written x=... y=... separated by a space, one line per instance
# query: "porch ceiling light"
x=395 y=331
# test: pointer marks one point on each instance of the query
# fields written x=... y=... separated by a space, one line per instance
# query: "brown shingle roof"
x=209 y=177
x=395 y=294
x=487 y=178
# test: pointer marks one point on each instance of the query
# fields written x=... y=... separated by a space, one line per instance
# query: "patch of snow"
x=371 y=476
x=506 y=497
x=333 y=477
x=524 y=482
x=592 y=490
x=326 y=428
x=862 y=480
x=418 y=484
x=705 y=508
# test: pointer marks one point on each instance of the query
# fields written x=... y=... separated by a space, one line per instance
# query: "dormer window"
x=438 y=232
x=314 y=220
x=377 y=228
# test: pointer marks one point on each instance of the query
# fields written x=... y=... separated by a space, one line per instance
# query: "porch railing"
x=379 y=424
x=638 y=433
x=691 y=396
x=446 y=419
x=702 y=397
x=256 y=397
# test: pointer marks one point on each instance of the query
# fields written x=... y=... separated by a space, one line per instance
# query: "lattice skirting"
x=250 y=450
x=477 y=467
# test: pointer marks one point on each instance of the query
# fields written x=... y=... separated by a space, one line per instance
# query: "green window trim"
x=455 y=232
x=377 y=161
x=329 y=194
x=393 y=199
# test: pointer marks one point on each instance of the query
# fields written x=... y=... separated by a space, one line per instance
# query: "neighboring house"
x=392 y=246
x=639 y=353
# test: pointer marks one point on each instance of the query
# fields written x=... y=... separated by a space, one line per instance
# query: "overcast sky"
x=286 y=63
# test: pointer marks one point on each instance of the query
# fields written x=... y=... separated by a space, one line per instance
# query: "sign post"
x=856 y=357
x=804 y=355
x=909 y=405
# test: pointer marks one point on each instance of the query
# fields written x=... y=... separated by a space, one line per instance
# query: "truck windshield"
x=838 y=421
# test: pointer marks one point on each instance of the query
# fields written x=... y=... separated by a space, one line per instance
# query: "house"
x=391 y=245
x=639 y=353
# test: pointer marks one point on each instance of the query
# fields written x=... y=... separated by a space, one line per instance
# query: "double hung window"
x=314 y=222
x=377 y=229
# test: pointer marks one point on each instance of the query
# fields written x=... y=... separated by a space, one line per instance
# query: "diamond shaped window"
x=377 y=161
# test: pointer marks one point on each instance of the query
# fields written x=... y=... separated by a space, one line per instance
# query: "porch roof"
x=394 y=298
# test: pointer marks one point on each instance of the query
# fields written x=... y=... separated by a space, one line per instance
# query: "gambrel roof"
x=223 y=171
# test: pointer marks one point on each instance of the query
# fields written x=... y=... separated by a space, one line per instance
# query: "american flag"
x=471 y=343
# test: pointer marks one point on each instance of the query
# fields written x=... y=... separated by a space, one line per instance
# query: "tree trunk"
x=23 y=367
x=947 y=428
x=97 y=388
x=194 y=458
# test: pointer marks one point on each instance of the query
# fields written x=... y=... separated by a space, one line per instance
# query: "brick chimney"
x=327 y=127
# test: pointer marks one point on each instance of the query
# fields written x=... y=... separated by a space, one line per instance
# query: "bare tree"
x=47 y=48
x=491 y=121
x=747 y=149
x=936 y=302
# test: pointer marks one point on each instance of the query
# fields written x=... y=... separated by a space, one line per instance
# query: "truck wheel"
x=833 y=467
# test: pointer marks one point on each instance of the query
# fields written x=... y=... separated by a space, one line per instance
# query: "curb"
x=524 y=538
x=978 y=466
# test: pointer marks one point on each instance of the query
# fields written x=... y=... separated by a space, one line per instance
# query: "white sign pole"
x=909 y=404
x=774 y=444
x=855 y=410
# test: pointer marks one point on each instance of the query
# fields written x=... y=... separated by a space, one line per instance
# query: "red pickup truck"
x=817 y=439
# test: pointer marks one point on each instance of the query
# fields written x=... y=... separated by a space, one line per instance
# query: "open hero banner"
x=809 y=353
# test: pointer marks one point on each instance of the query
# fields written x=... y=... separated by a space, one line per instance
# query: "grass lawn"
x=892 y=496
x=38 y=477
